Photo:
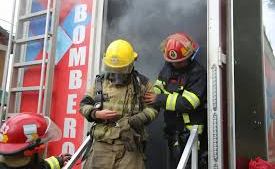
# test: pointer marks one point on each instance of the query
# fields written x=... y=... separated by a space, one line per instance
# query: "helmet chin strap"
x=195 y=54
x=35 y=150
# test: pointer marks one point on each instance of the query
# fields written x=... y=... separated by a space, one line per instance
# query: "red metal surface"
x=65 y=99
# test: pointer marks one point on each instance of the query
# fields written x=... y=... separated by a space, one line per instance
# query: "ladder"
x=19 y=64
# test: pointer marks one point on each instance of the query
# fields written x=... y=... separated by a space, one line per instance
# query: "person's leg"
x=130 y=160
x=203 y=152
x=176 y=147
x=101 y=157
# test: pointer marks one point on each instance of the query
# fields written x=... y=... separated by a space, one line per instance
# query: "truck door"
x=145 y=23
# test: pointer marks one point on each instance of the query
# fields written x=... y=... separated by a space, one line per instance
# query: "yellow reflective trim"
x=192 y=98
x=53 y=162
x=186 y=118
x=57 y=166
x=171 y=101
x=166 y=92
x=150 y=112
x=157 y=90
x=158 y=87
x=159 y=83
x=48 y=160
x=200 y=128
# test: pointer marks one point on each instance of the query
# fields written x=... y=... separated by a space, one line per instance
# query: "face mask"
x=118 y=78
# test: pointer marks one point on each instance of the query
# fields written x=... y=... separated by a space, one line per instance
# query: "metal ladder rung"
x=34 y=15
x=34 y=38
x=30 y=63
x=24 y=89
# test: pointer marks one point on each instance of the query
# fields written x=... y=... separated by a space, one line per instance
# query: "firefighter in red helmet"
x=180 y=92
x=22 y=141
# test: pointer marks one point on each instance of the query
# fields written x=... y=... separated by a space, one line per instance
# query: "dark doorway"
x=145 y=23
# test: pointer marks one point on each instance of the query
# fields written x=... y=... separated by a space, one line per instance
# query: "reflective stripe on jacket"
x=53 y=162
x=49 y=163
x=182 y=94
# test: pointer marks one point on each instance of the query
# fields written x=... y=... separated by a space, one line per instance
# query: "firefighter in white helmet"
x=180 y=91
x=22 y=142
x=115 y=104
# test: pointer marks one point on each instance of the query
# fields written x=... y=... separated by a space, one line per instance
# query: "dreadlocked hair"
x=136 y=94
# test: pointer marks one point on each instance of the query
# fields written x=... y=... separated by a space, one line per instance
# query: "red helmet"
x=179 y=47
x=26 y=131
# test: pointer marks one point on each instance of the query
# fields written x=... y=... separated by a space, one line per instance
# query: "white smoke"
x=268 y=21
x=146 y=23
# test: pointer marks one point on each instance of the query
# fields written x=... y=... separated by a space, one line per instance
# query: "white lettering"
x=75 y=79
x=71 y=103
x=80 y=13
x=69 y=128
x=68 y=147
x=77 y=58
x=79 y=34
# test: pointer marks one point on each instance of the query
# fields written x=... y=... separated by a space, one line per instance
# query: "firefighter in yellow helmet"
x=115 y=105
x=180 y=91
x=22 y=142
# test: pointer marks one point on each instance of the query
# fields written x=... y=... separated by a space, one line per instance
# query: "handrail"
x=192 y=144
x=78 y=153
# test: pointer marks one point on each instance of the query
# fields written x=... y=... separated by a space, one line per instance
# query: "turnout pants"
x=113 y=156
x=176 y=144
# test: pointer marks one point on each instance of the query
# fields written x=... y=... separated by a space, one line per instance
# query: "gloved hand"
x=63 y=159
x=136 y=123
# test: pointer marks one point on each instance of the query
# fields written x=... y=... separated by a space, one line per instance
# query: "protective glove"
x=136 y=123
x=63 y=159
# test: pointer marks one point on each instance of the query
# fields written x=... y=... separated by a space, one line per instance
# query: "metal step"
x=25 y=89
x=34 y=15
x=30 y=63
x=33 y=38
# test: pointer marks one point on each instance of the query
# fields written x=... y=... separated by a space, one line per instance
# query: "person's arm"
x=55 y=162
x=90 y=112
x=147 y=115
x=87 y=108
x=189 y=100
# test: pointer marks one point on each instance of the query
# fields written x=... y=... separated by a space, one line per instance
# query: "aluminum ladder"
x=18 y=47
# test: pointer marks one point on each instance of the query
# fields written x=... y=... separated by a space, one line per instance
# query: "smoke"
x=270 y=3
x=268 y=21
x=145 y=23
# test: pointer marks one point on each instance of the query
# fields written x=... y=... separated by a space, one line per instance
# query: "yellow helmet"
x=119 y=57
